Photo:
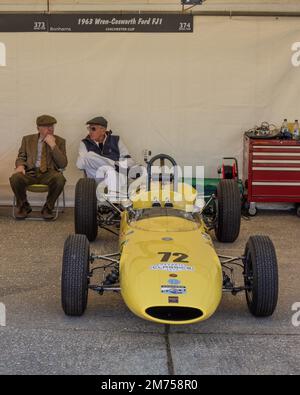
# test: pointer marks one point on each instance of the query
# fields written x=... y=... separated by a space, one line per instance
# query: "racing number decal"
x=166 y=256
x=181 y=258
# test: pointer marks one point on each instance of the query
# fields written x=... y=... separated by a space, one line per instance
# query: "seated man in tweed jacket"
x=40 y=158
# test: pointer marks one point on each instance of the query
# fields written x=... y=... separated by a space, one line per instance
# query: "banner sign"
x=97 y=23
x=23 y=23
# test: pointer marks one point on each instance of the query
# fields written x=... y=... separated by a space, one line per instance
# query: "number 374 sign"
x=97 y=23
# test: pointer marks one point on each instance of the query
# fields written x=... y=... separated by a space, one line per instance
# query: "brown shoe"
x=27 y=207
x=21 y=213
x=47 y=214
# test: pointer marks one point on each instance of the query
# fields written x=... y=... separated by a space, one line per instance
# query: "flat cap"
x=98 y=121
x=44 y=120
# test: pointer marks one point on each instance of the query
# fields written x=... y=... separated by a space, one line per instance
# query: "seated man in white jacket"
x=105 y=158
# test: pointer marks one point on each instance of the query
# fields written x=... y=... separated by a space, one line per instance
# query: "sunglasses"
x=95 y=128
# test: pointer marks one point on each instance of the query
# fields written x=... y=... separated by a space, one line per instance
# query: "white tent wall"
x=188 y=95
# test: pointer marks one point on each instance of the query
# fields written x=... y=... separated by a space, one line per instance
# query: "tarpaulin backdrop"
x=188 y=95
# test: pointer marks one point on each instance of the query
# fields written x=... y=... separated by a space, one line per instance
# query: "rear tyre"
x=75 y=275
x=229 y=211
x=86 y=208
x=261 y=276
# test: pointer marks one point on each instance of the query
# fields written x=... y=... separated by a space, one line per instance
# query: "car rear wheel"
x=75 y=275
x=86 y=208
x=261 y=276
x=229 y=209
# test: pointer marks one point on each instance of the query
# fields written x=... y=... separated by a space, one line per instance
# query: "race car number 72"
x=177 y=257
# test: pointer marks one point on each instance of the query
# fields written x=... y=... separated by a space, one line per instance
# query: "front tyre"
x=75 y=275
x=261 y=276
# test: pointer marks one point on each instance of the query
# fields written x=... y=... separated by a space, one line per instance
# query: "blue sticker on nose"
x=174 y=282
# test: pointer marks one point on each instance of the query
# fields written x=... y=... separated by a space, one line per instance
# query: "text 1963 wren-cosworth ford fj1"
x=167 y=269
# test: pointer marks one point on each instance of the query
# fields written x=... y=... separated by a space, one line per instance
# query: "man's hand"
x=122 y=163
x=50 y=140
x=20 y=169
x=121 y=167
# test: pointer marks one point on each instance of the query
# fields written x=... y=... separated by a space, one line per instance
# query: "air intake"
x=173 y=313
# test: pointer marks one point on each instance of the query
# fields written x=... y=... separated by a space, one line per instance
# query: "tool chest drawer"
x=272 y=170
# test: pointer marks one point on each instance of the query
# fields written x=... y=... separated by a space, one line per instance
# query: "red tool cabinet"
x=271 y=171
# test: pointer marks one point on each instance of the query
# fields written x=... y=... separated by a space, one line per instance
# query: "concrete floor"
x=109 y=339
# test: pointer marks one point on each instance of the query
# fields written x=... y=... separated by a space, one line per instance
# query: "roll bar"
x=162 y=158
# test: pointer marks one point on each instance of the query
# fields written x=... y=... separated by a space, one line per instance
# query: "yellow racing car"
x=167 y=269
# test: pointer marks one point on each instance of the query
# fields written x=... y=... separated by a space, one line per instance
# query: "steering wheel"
x=162 y=158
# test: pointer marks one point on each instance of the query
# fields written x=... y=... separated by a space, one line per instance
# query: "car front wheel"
x=75 y=275
x=261 y=276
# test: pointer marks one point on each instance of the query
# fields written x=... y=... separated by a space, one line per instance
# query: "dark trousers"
x=54 y=179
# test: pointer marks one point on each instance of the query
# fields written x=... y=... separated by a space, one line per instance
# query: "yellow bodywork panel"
x=165 y=224
x=182 y=199
x=169 y=270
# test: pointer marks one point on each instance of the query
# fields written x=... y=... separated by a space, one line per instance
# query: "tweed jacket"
x=56 y=158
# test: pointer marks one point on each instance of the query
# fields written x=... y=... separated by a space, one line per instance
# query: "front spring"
x=112 y=277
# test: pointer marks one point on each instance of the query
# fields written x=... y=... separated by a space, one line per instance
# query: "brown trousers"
x=54 y=179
